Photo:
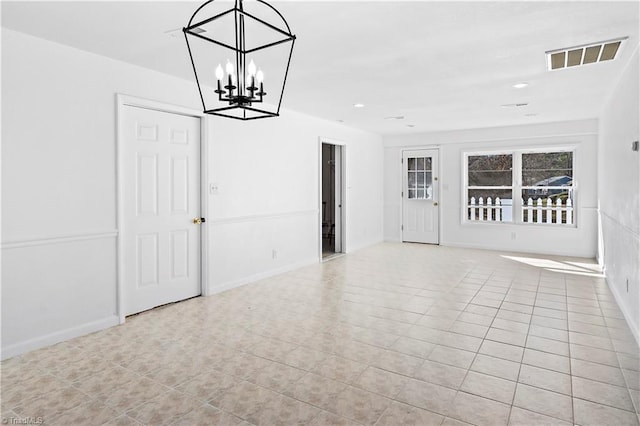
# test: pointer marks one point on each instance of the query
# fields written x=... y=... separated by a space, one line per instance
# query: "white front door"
x=420 y=196
x=161 y=199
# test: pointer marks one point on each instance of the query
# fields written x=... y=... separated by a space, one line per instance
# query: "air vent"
x=582 y=55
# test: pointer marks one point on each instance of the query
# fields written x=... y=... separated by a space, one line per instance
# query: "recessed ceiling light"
x=358 y=105
x=411 y=125
x=176 y=32
x=531 y=115
x=340 y=121
x=523 y=104
x=520 y=85
x=398 y=117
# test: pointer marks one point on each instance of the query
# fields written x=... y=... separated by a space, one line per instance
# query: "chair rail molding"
x=59 y=239
x=260 y=217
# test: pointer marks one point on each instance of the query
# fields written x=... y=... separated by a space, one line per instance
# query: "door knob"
x=435 y=203
x=199 y=220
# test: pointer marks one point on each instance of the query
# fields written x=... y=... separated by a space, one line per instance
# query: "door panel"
x=161 y=172
x=147 y=184
x=147 y=260
x=179 y=185
x=420 y=212
x=180 y=254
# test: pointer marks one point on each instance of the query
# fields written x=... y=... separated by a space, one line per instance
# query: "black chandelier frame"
x=248 y=93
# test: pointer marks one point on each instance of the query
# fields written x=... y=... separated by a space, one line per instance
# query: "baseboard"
x=57 y=337
x=260 y=276
x=633 y=327
x=356 y=247
x=516 y=250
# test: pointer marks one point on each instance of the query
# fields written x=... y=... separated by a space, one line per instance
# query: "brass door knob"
x=435 y=203
x=198 y=220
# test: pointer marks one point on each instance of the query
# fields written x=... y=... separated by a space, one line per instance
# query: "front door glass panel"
x=419 y=178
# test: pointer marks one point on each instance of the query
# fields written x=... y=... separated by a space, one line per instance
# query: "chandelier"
x=254 y=42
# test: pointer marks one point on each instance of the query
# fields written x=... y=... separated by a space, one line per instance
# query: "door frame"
x=439 y=183
x=123 y=101
x=343 y=190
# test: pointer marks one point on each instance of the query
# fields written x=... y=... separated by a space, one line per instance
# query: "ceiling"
x=440 y=65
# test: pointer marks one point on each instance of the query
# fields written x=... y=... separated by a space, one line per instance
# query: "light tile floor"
x=393 y=334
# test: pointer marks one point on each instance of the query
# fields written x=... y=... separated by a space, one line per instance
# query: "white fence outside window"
x=539 y=211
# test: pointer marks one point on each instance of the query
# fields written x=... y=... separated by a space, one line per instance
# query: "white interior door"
x=161 y=199
x=420 y=212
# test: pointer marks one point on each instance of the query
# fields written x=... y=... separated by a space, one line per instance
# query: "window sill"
x=471 y=223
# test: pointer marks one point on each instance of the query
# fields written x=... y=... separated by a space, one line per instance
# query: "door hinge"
x=402 y=161
x=401 y=193
x=402 y=227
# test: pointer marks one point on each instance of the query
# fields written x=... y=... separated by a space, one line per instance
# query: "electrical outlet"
x=513 y=235
x=274 y=254
x=213 y=189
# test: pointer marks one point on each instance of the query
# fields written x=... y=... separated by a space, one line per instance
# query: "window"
x=541 y=183
x=547 y=187
x=490 y=184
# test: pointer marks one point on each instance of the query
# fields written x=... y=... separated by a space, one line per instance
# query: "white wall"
x=574 y=241
x=268 y=195
x=59 y=193
x=619 y=189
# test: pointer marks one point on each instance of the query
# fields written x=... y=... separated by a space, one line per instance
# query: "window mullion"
x=517 y=187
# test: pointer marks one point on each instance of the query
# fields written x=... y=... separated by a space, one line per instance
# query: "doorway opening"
x=331 y=181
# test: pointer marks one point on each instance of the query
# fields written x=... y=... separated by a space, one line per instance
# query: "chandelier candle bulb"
x=219 y=77
x=252 y=68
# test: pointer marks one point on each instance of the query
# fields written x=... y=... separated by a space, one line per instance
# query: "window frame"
x=517 y=184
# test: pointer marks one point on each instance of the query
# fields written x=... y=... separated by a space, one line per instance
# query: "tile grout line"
x=476 y=352
x=633 y=402
x=566 y=301
x=513 y=400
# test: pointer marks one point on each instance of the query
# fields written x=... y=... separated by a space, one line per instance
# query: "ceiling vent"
x=582 y=55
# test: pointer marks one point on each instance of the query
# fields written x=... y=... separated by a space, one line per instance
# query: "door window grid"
x=547 y=197
x=419 y=178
